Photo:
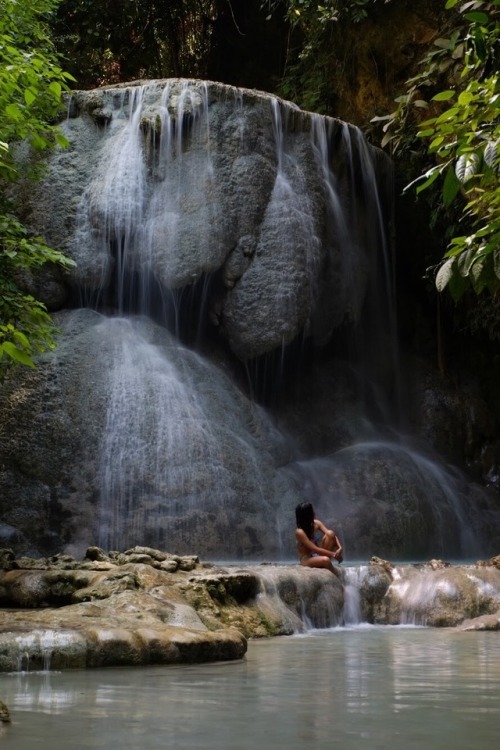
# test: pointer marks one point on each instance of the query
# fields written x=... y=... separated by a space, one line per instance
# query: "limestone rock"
x=273 y=224
x=442 y=596
x=229 y=204
x=4 y=713
x=139 y=614
x=483 y=622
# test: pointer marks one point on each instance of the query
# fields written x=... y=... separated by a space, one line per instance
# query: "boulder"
x=139 y=614
x=435 y=594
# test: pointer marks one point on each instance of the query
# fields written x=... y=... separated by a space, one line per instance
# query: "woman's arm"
x=304 y=540
x=321 y=526
x=335 y=541
x=339 y=549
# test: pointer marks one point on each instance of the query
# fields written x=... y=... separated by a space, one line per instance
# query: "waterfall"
x=325 y=202
x=160 y=445
x=298 y=605
x=157 y=440
x=436 y=516
x=353 y=577
x=37 y=647
x=339 y=234
x=228 y=343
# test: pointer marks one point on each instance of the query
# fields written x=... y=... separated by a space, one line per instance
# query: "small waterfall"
x=375 y=347
x=430 y=508
x=158 y=442
x=339 y=236
x=37 y=647
x=353 y=578
x=131 y=212
x=418 y=596
x=290 y=220
x=299 y=604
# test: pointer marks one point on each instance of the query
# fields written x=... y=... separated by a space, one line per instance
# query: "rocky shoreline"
x=145 y=606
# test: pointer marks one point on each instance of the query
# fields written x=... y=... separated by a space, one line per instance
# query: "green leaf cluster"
x=316 y=45
x=25 y=325
x=31 y=88
x=115 y=41
x=312 y=13
x=463 y=138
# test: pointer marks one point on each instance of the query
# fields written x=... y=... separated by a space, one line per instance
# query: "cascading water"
x=157 y=442
x=375 y=484
x=226 y=245
x=161 y=444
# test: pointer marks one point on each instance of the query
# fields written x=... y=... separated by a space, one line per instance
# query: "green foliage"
x=317 y=46
x=25 y=326
x=119 y=41
x=31 y=81
x=462 y=135
x=31 y=87
x=312 y=13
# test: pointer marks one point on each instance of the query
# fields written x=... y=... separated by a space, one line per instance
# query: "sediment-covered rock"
x=116 y=609
x=79 y=614
x=435 y=594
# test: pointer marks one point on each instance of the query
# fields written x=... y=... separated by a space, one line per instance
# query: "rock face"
x=145 y=606
x=230 y=250
x=180 y=180
x=145 y=442
x=436 y=594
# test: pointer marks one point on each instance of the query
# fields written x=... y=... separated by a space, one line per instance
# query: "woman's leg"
x=321 y=561
x=329 y=541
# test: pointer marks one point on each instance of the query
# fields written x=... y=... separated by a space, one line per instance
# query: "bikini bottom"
x=308 y=556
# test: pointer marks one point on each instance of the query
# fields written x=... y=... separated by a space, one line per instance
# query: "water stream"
x=156 y=207
x=229 y=347
x=358 y=687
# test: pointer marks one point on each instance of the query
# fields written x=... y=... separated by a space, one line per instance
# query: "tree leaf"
x=467 y=166
x=432 y=178
x=436 y=142
x=55 y=88
x=451 y=186
x=16 y=354
x=477 y=275
x=465 y=98
x=13 y=112
x=22 y=339
x=443 y=96
x=491 y=153
x=477 y=17
x=457 y=286
x=29 y=96
x=496 y=262
x=61 y=140
x=444 y=274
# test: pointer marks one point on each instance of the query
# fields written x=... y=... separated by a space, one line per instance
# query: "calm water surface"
x=356 y=688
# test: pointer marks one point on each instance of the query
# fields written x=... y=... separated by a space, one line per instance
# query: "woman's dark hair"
x=304 y=513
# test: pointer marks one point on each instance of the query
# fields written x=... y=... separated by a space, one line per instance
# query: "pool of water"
x=352 y=688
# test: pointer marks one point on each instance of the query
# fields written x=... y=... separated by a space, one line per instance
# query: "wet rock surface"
x=227 y=221
x=128 y=609
x=145 y=606
x=435 y=594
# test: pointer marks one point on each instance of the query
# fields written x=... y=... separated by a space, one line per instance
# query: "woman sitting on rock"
x=317 y=546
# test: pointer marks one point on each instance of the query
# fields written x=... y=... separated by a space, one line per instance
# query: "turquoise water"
x=353 y=688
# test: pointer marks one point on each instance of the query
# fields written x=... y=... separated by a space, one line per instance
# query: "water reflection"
x=364 y=687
